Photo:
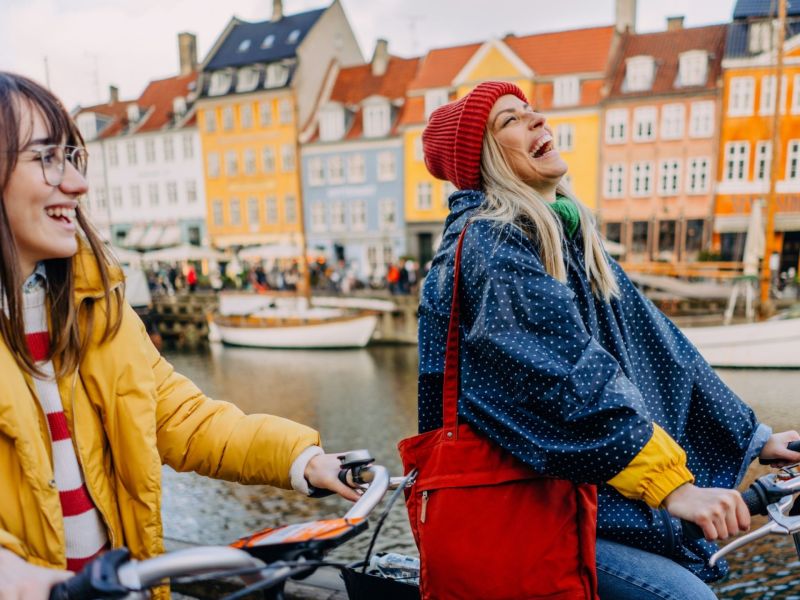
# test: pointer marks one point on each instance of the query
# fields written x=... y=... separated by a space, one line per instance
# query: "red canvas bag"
x=486 y=525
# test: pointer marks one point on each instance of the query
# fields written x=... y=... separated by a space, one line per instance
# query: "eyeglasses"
x=54 y=158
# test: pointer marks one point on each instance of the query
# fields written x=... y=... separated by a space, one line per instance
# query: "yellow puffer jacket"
x=128 y=411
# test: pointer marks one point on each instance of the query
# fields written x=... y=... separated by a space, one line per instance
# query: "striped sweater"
x=85 y=532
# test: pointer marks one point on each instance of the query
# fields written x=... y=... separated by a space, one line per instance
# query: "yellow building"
x=562 y=74
x=256 y=90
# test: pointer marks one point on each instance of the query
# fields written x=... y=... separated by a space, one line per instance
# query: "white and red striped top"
x=86 y=534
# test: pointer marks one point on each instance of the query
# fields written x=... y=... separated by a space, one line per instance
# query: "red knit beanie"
x=453 y=138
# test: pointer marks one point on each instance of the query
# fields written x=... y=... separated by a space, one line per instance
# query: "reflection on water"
x=367 y=399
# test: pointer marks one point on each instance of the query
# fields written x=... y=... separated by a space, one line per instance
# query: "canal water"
x=367 y=399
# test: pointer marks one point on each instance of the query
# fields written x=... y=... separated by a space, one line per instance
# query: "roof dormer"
x=692 y=68
x=639 y=73
x=277 y=75
x=220 y=82
x=179 y=106
x=331 y=122
x=247 y=79
x=133 y=112
x=377 y=114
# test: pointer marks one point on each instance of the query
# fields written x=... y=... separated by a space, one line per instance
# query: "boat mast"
x=770 y=245
x=305 y=276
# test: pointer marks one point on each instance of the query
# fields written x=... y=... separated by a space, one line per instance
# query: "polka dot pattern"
x=570 y=384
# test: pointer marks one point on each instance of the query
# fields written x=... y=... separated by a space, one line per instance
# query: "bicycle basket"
x=368 y=586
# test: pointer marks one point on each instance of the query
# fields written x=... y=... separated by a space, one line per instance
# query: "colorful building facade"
x=257 y=88
x=659 y=142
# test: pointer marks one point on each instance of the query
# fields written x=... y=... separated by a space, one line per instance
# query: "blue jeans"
x=625 y=573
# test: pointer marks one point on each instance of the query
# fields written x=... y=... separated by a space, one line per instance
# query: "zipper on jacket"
x=111 y=536
x=424 y=509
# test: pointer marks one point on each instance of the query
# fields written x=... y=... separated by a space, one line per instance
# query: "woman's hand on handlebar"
x=20 y=580
x=322 y=471
x=775 y=451
x=719 y=512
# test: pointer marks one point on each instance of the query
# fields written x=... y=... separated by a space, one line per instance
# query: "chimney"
x=113 y=94
x=626 y=16
x=380 y=58
x=674 y=23
x=277 y=10
x=187 y=52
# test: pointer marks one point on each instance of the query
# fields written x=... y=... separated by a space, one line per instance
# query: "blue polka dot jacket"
x=571 y=384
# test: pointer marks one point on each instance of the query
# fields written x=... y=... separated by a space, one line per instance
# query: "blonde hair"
x=509 y=200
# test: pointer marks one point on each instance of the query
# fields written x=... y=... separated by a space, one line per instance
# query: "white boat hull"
x=338 y=333
x=769 y=344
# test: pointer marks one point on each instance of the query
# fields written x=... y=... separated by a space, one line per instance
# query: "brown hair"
x=67 y=342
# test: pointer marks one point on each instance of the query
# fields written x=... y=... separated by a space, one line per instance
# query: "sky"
x=80 y=47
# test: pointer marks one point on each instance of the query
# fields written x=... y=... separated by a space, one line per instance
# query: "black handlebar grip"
x=322 y=492
x=78 y=587
x=755 y=502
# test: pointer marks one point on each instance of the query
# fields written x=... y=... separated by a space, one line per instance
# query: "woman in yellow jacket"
x=84 y=394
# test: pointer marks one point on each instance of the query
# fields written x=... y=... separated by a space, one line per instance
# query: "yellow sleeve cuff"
x=658 y=469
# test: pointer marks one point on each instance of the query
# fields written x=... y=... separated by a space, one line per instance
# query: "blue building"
x=352 y=166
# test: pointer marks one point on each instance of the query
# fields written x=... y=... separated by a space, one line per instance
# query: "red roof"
x=563 y=52
x=115 y=111
x=665 y=47
x=156 y=100
x=354 y=84
x=440 y=66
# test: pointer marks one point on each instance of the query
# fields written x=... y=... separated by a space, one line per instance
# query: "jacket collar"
x=88 y=283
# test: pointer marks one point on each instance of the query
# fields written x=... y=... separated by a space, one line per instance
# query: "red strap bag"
x=487 y=526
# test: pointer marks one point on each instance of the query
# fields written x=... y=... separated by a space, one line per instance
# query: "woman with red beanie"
x=568 y=368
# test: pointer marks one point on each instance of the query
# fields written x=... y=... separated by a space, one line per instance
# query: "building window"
x=277 y=76
x=701 y=119
x=565 y=133
x=614 y=184
x=760 y=37
x=672 y=119
x=698 y=175
x=331 y=123
x=766 y=104
x=614 y=232
x=338 y=219
x=639 y=74
x=335 y=169
x=694 y=235
x=211 y=120
x=616 y=125
x=639 y=235
x=216 y=210
x=246 y=116
x=268 y=159
x=641 y=174
x=376 y=120
x=265 y=113
x=293 y=36
x=172 y=193
x=152 y=194
x=227 y=118
x=249 y=161
x=247 y=79
x=136 y=195
x=116 y=197
x=434 y=99
x=220 y=83
x=358 y=215
x=285 y=111
x=763 y=160
x=231 y=164
x=424 y=193
x=236 y=212
x=188 y=146
x=419 y=154
x=169 y=149
x=644 y=124
x=318 y=216
x=150 y=150
x=356 y=171
x=113 y=155
x=100 y=198
x=271 y=209
x=191 y=191
x=793 y=160
x=252 y=211
x=737 y=157
x=130 y=150
x=795 y=95
x=693 y=68
x=741 y=97
x=387 y=169
x=290 y=208
x=287 y=158
x=316 y=171
x=566 y=91
x=669 y=178
x=666 y=237
x=213 y=164
x=387 y=214
x=268 y=41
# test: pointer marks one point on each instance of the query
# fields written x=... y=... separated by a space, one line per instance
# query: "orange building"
x=659 y=142
x=746 y=133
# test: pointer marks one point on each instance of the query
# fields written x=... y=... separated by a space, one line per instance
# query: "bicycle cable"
x=298 y=567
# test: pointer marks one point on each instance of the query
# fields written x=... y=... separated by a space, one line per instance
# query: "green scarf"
x=568 y=213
